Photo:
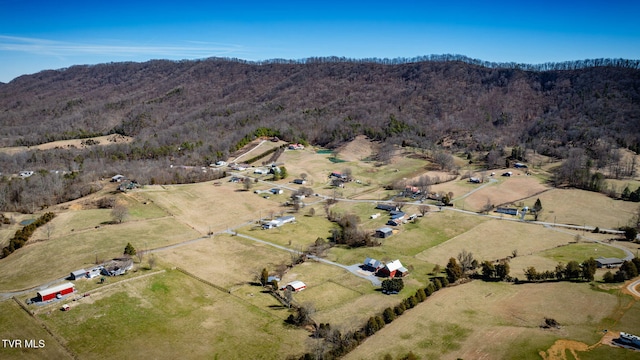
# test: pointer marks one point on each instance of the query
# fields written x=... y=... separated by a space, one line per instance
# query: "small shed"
x=296 y=286
x=57 y=291
x=384 y=232
x=78 y=274
x=276 y=191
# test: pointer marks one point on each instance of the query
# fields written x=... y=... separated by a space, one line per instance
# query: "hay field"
x=492 y=321
x=225 y=260
x=509 y=190
x=171 y=315
x=205 y=207
x=579 y=207
x=496 y=239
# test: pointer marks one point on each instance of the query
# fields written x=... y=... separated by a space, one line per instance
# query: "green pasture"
x=47 y=260
x=340 y=298
x=18 y=325
x=171 y=315
x=582 y=251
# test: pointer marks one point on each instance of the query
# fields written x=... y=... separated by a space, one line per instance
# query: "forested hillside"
x=195 y=112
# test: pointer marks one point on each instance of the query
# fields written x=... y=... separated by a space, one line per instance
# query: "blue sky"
x=39 y=35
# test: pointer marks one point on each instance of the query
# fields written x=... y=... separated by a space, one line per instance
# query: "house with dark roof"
x=384 y=232
x=603 y=262
x=372 y=265
x=386 y=207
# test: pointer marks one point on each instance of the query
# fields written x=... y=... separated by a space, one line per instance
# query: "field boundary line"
x=55 y=336
x=207 y=282
x=228 y=292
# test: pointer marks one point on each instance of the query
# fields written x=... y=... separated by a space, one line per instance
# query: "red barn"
x=55 y=291
x=393 y=269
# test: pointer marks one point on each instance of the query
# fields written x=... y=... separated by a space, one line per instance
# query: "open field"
x=339 y=298
x=81 y=248
x=18 y=325
x=577 y=207
x=168 y=313
x=582 y=251
x=225 y=260
x=73 y=143
x=506 y=190
x=206 y=208
x=496 y=239
x=171 y=315
x=491 y=321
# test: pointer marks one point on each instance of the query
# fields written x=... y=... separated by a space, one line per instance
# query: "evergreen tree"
x=264 y=276
x=454 y=270
x=129 y=250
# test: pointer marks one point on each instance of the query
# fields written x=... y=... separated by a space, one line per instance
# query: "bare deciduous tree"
x=151 y=261
x=119 y=213
x=424 y=209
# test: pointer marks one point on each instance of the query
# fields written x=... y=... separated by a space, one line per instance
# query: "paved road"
x=633 y=288
x=354 y=269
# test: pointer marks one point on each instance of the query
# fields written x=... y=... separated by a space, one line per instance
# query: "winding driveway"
x=633 y=288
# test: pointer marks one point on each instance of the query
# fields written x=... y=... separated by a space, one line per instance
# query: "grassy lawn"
x=339 y=298
x=171 y=315
x=582 y=251
x=81 y=248
x=17 y=324
x=298 y=235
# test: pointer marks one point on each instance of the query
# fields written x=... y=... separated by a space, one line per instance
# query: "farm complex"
x=343 y=255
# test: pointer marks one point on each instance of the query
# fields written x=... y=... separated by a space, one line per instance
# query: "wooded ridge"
x=197 y=112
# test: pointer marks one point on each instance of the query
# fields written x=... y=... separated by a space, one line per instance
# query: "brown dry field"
x=224 y=260
x=513 y=189
x=358 y=149
x=206 y=207
x=73 y=143
x=577 y=207
x=489 y=321
x=496 y=239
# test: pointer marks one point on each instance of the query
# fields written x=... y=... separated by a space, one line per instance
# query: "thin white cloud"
x=192 y=49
